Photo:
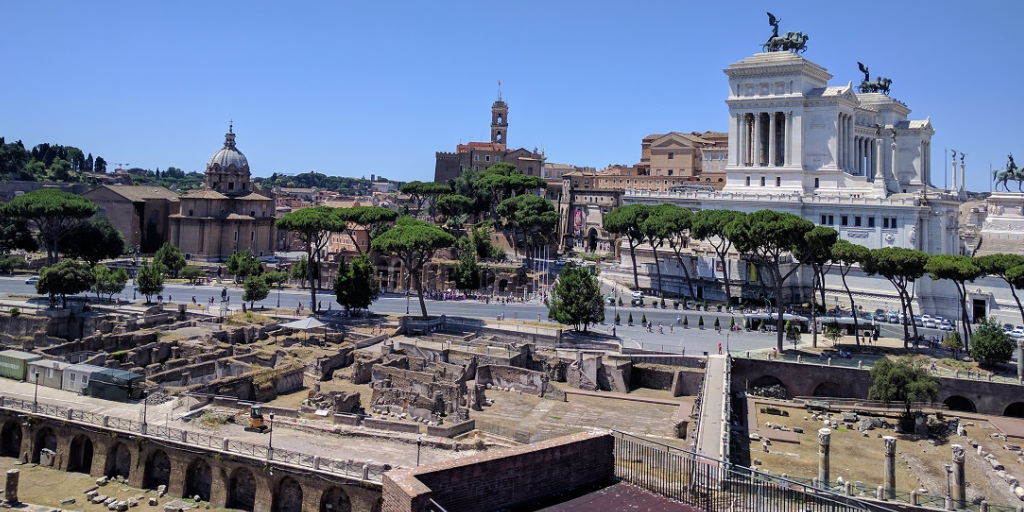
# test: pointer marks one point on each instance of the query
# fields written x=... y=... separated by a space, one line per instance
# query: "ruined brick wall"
x=519 y=379
x=503 y=479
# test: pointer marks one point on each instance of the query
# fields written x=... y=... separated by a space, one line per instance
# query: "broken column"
x=959 y=481
x=890 y=466
x=11 y=488
x=1020 y=361
x=824 y=436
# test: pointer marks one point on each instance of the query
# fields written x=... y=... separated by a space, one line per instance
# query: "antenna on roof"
x=499 y=90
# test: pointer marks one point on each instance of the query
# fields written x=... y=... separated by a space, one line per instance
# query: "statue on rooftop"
x=1010 y=173
x=795 y=42
x=881 y=84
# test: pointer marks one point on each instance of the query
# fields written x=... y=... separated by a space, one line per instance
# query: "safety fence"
x=263 y=453
x=713 y=485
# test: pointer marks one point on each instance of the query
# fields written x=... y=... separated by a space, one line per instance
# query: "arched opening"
x=335 y=500
x=198 y=479
x=242 y=491
x=157 y=471
x=80 y=458
x=592 y=240
x=833 y=390
x=502 y=285
x=1015 y=409
x=119 y=461
x=45 y=439
x=769 y=386
x=10 y=439
x=960 y=403
x=287 y=496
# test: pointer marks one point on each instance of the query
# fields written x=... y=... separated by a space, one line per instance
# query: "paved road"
x=709 y=439
x=671 y=338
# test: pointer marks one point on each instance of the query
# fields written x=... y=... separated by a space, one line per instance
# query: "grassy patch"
x=212 y=419
x=248 y=318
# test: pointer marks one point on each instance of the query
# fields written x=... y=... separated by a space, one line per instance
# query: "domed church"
x=227 y=214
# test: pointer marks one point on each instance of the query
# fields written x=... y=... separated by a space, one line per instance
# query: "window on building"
x=252 y=236
x=831 y=220
x=885 y=222
x=529 y=170
x=476 y=158
x=816 y=183
x=487 y=158
x=231 y=185
x=748 y=181
x=856 y=221
x=236 y=236
x=871 y=222
x=671 y=155
x=762 y=181
x=844 y=220
x=824 y=218
x=190 y=213
x=670 y=172
x=778 y=181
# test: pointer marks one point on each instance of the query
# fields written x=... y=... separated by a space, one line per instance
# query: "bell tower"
x=499 y=121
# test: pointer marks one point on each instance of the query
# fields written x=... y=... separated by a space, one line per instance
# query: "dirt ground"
x=48 y=487
x=546 y=419
x=855 y=458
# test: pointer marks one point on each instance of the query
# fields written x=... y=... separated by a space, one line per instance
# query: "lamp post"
x=145 y=407
x=419 y=443
x=35 y=393
x=270 y=440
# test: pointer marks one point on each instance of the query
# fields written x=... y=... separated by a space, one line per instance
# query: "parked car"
x=32 y=280
x=560 y=261
x=638 y=298
x=918 y=321
x=1017 y=333
x=1007 y=327
x=945 y=325
x=610 y=300
x=880 y=316
x=929 y=322
x=894 y=318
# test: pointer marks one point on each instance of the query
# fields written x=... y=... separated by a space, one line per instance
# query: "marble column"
x=788 y=144
x=756 y=160
x=824 y=438
x=839 y=142
x=890 y=466
x=1020 y=361
x=953 y=171
x=771 y=139
x=735 y=157
x=959 y=490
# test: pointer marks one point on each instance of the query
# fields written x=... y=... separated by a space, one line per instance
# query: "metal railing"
x=346 y=468
x=714 y=485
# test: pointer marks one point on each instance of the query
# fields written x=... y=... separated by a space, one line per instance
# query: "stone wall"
x=451 y=430
x=505 y=479
x=518 y=379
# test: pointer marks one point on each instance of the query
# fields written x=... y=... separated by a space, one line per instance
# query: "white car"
x=32 y=280
x=945 y=325
x=1017 y=333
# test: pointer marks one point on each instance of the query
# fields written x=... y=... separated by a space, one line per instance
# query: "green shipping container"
x=14 y=363
x=112 y=384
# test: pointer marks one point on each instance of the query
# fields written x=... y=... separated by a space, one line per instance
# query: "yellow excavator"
x=256 y=423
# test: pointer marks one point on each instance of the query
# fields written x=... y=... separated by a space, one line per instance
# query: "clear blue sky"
x=350 y=88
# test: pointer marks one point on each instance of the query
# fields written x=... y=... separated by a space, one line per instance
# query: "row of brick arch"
x=958 y=403
x=148 y=465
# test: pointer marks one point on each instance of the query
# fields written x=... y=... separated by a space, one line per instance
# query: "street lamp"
x=270 y=440
x=419 y=443
x=145 y=406
x=35 y=394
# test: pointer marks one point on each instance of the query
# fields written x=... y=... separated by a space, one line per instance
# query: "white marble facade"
x=848 y=160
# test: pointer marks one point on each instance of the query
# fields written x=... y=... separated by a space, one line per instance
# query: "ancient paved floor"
x=710 y=438
x=541 y=418
x=620 y=497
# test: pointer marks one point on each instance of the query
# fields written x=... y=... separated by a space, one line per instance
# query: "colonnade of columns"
x=866 y=157
x=763 y=139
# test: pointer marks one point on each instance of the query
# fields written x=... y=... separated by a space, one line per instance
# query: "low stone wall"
x=527 y=474
x=451 y=430
x=519 y=379
x=393 y=426
x=352 y=420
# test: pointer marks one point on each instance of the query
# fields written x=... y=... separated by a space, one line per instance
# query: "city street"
x=671 y=337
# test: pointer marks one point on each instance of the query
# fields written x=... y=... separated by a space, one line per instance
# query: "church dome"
x=228 y=158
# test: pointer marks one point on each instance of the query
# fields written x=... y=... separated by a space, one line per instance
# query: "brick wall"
x=503 y=478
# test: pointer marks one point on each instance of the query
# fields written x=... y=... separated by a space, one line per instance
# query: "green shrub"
x=15 y=312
